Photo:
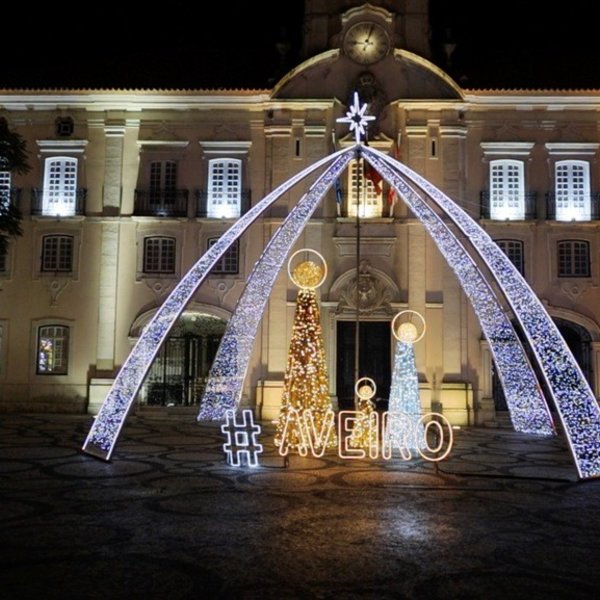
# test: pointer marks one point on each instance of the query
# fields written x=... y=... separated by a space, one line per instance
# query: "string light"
x=575 y=403
x=305 y=384
x=107 y=425
x=228 y=371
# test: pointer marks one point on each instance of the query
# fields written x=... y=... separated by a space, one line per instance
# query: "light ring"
x=372 y=385
x=414 y=312
x=324 y=276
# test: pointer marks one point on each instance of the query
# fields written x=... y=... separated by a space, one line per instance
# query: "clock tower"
x=346 y=24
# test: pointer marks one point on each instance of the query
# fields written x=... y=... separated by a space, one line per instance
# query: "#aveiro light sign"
x=428 y=436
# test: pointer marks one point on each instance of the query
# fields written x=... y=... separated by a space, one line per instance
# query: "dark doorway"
x=179 y=372
x=374 y=361
x=579 y=341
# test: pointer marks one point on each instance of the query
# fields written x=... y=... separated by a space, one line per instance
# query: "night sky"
x=182 y=44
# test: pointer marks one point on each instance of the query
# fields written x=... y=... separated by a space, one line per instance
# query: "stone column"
x=596 y=367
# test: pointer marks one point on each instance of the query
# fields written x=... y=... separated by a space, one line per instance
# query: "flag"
x=392 y=197
x=338 y=196
x=373 y=176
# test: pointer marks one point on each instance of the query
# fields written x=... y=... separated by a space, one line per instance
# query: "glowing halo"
x=307 y=275
x=366 y=391
x=408 y=332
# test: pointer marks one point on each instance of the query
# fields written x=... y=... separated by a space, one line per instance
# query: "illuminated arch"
x=105 y=430
x=575 y=403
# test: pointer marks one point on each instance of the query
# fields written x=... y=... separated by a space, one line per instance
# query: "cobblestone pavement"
x=505 y=517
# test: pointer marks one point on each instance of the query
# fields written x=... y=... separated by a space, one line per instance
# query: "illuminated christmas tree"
x=305 y=383
x=404 y=407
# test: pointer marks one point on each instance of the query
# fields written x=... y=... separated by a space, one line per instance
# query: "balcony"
x=574 y=214
x=46 y=203
x=161 y=203
x=530 y=208
x=229 y=212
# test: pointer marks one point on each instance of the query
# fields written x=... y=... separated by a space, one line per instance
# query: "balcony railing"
x=161 y=203
x=574 y=214
x=203 y=197
x=530 y=212
x=68 y=207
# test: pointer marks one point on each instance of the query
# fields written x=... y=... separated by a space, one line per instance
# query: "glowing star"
x=356 y=118
x=242 y=439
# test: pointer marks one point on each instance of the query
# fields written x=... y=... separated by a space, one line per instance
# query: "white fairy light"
x=228 y=371
x=575 y=402
x=356 y=118
x=107 y=425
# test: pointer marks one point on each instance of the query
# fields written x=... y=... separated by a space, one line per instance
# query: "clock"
x=366 y=42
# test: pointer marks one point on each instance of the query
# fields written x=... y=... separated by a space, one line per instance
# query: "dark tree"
x=13 y=158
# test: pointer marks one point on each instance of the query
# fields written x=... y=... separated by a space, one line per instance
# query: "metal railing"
x=203 y=198
x=594 y=214
x=161 y=203
x=530 y=212
x=45 y=203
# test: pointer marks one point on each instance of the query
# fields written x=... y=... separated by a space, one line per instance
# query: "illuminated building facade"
x=129 y=188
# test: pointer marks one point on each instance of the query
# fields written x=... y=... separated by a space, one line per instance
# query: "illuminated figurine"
x=404 y=407
x=365 y=429
x=306 y=382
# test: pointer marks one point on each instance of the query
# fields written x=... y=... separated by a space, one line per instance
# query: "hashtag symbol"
x=242 y=439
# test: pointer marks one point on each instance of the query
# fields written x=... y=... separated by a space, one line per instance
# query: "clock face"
x=366 y=43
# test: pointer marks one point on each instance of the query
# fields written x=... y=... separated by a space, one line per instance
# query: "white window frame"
x=572 y=190
x=60 y=365
x=224 y=191
x=507 y=190
x=369 y=200
x=5 y=187
x=60 y=186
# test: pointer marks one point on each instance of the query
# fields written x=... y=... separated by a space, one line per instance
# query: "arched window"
x=507 y=190
x=572 y=190
x=53 y=350
x=224 y=188
x=159 y=254
x=364 y=190
x=574 y=258
x=60 y=186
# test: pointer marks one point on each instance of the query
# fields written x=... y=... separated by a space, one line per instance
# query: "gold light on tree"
x=364 y=435
x=306 y=383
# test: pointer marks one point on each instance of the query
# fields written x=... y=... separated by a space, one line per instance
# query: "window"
x=60 y=186
x=224 y=188
x=3 y=261
x=64 y=126
x=4 y=188
x=574 y=258
x=229 y=262
x=514 y=251
x=163 y=181
x=572 y=190
x=159 y=254
x=57 y=253
x=507 y=190
x=53 y=350
x=370 y=192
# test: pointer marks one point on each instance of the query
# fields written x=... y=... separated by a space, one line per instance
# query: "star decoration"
x=356 y=118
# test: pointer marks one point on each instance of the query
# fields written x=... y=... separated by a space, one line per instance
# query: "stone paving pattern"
x=167 y=518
